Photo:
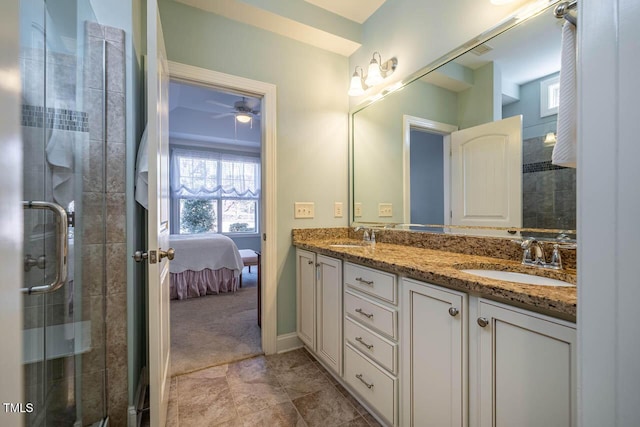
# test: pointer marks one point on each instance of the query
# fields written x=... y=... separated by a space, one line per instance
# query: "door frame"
x=431 y=126
x=11 y=218
x=268 y=217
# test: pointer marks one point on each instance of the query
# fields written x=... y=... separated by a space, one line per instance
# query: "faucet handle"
x=556 y=260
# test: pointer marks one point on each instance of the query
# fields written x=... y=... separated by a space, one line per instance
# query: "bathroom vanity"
x=420 y=342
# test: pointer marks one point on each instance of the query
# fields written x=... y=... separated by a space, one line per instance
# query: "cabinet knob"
x=483 y=321
x=309 y=262
x=453 y=311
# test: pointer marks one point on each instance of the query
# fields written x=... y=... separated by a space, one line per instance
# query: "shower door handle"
x=62 y=244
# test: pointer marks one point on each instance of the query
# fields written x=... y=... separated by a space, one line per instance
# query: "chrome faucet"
x=533 y=253
x=369 y=235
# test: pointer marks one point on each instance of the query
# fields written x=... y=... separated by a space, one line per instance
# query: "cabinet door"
x=329 y=312
x=527 y=368
x=306 y=297
x=434 y=375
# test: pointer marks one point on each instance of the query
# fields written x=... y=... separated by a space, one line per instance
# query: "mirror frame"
x=520 y=16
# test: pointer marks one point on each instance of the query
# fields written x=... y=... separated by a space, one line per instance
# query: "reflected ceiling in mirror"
x=409 y=166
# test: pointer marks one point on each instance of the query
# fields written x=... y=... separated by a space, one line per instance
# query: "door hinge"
x=264 y=236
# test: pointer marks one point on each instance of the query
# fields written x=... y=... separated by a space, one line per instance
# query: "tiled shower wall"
x=548 y=191
x=104 y=177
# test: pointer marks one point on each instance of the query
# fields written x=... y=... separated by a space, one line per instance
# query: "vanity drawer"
x=372 y=384
x=373 y=282
x=372 y=314
x=373 y=345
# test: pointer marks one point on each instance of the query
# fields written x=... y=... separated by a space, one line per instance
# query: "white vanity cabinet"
x=371 y=338
x=523 y=366
x=319 y=306
x=434 y=355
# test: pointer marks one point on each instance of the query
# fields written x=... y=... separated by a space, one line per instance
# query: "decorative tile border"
x=55 y=118
x=540 y=167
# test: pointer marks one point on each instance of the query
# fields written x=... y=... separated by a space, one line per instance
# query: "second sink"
x=510 y=276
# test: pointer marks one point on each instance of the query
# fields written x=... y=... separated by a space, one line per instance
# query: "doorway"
x=215 y=144
x=262 y=122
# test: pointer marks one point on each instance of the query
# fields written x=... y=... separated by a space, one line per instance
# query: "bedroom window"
x=214 y=192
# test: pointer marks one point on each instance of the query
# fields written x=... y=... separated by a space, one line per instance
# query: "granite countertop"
x=443 y=268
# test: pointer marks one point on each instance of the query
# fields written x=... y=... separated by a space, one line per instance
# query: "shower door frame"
x=11 y=238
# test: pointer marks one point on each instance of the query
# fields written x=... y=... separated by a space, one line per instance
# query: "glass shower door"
x=63 y=350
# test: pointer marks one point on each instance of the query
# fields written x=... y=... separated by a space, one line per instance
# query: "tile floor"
x=288 y=389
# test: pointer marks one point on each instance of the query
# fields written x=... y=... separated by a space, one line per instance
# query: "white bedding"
x=200 y=251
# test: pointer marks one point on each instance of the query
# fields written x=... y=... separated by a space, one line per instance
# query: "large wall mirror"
x=469 y=143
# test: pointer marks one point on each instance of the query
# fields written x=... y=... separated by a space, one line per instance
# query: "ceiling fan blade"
x=220 y=104
x=219 y=116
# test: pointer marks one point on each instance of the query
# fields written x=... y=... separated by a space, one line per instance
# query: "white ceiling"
x=323 y=38
x=206 y=116
x=354 y=10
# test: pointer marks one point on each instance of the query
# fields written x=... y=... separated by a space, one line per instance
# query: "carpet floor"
x=215 y=329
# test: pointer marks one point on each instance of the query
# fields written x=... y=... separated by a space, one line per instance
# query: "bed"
x=204 y=264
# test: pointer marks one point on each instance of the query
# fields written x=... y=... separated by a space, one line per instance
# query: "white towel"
x=564 y=152
x=60 y=153
x=142 y=172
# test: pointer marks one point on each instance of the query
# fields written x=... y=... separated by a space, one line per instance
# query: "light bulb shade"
x=550 y=138
x=243 y=117
x=373 y=75
x=356 y=89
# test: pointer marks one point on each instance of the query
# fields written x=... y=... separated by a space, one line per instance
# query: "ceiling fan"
x=240 y=109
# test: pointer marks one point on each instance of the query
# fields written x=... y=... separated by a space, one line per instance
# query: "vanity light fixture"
x=377 y=72
x=357 y=83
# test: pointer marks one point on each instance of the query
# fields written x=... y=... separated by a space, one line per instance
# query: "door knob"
x=139 y=256
x=169 y=253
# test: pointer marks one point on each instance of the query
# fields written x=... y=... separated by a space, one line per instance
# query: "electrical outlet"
x=304 y=210
x=357 y=209
x=385 y=209
x=337 y=209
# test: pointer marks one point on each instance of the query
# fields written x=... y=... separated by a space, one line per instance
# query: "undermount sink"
x=349 y=245
x=510 y=276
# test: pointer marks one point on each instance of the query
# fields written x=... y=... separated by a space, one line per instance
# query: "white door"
x=11 y=238
x=527 y=369
x=329 y=312
x=158 y=226
x=306 y=297
x=486 y=175
x=433 y=355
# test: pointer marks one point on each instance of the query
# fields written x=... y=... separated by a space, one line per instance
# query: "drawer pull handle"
x=369 y=315
x=359 y=376
x=366 y=282
x=361 y=341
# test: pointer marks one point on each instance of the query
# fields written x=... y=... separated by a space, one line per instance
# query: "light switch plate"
x=337 y=209
x=304 y=210
x=357 y=209
x=385 y=209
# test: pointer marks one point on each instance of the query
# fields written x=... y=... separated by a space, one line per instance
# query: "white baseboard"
x=288 y=342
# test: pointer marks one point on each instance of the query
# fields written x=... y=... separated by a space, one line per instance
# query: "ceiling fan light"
x=243 y=117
